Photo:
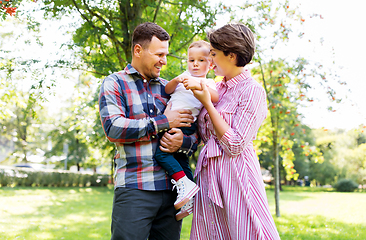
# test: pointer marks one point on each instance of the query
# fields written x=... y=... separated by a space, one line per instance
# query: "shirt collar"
x=235 y=80
x=131 y=70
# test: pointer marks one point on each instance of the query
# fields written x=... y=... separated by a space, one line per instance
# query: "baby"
x=177 y=164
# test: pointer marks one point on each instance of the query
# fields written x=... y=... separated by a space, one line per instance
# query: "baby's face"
x=198 y=61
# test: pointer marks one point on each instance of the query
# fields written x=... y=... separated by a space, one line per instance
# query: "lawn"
x=84 y=213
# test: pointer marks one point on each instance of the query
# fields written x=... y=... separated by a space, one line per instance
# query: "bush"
x=345 y=185
x=56 y=178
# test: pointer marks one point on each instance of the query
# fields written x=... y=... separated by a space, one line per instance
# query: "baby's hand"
x=178 y=79
x=191 y=84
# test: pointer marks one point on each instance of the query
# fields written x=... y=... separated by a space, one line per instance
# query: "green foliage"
x=344 y=154
x=8 y=8
x=282 y=131
x=22 y=126
x=79 y=128
x=346 y=185
x=286 y=81
x=104 y=29
x=23 y=88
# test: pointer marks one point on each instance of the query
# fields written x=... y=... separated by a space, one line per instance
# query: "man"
x=132 y=105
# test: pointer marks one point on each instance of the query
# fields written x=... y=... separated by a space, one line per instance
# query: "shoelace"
x=175 y=186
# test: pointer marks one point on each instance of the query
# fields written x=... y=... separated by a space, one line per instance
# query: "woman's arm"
x=245 y=119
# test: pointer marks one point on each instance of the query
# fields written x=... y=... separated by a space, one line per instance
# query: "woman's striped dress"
x=232 y=203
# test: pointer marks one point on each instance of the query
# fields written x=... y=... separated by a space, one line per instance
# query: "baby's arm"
x=191 y=84
x=172 y=84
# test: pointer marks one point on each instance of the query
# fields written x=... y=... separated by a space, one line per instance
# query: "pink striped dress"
x=232 y=203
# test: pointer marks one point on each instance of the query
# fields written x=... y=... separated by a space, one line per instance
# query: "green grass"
x=320 y=215
x=84 y=213
x=55 y=213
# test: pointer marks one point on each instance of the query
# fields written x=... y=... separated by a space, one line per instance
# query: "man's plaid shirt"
x=131 y=110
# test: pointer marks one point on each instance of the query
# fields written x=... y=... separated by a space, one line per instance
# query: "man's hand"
x=178 y=118
x=171 y=140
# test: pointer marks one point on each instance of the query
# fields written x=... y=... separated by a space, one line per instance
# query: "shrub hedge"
x=11 y=177
x=345 y=185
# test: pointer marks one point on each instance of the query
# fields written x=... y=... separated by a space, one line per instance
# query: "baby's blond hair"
x=199 y=44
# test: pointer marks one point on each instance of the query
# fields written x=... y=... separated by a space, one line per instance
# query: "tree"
x=23 y=88
x=22 y=127
x=8 y=8
x=102 y=33
x=282 y=129
x=344 y=156
x=104 y=28
x=285 y=80
x=329 y=171
x=75 y=128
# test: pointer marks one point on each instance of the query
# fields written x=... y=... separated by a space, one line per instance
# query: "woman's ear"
x=232 y=56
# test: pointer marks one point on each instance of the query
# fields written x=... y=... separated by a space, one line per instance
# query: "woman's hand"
x=191 y=84
x=203 y=95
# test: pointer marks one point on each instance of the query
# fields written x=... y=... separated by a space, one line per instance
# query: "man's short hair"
x=234 y=38
x=144 y=32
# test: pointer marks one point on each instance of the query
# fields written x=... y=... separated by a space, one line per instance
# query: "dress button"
x=151 y=110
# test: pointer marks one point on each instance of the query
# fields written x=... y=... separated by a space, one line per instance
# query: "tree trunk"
x=276 y=172
x=112 y=168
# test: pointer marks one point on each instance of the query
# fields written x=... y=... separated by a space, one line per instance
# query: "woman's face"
x=222 y=64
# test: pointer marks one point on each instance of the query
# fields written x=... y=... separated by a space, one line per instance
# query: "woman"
x=232 y=202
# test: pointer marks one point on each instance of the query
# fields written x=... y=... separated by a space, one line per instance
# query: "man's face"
x=153 y=57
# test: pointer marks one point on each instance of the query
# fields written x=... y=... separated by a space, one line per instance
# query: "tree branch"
x=110 y=35
x=157 y=10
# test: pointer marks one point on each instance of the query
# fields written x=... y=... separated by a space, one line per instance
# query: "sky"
x=340 y=29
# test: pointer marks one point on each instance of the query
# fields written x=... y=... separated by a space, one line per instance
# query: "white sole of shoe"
x=185 y=200
x=184 y=214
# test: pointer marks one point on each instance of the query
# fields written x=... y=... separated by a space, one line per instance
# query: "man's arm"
x=120 y=129
x=117 y=127
x=174 y=140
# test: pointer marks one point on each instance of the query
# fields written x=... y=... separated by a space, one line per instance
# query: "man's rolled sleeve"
x=189 y=145
x=161 y=124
